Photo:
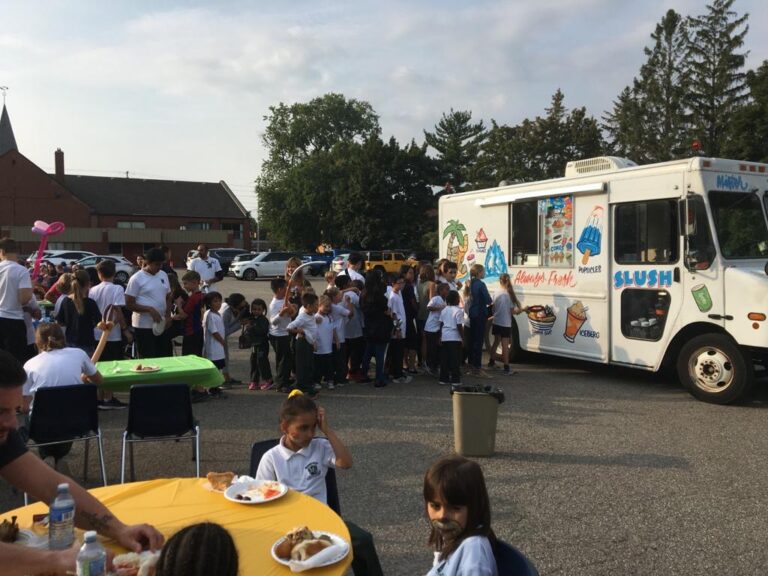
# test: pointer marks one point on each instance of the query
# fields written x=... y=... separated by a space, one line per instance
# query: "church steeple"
x=7 y=140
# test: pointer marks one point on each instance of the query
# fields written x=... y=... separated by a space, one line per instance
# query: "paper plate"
x=251 y=490
x=158 y=328
x=146 y=369
x=326 y=557
x=31 y=540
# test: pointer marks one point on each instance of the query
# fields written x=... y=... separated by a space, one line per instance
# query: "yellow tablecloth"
x=171 y=504
x=191 y=370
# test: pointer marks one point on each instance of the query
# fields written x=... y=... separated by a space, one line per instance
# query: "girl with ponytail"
x=79 y=315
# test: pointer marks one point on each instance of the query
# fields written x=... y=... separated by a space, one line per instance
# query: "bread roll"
x=308 y=548
x=283 y=549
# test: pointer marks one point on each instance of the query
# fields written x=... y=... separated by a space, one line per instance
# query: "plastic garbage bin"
x=475 y=411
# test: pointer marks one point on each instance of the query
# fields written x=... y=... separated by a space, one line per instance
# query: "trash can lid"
x=497 y=393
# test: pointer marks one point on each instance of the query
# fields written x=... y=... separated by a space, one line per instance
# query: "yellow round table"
x=172 y=504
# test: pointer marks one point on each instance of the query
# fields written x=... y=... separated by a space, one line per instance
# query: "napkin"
x=330 y=555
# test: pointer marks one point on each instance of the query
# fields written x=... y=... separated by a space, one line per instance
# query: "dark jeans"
x=365 y=559
x=304 y=365
x=433 y=350
x=323 y=368
x=340 y=363
x=148 y=345
x=450 y=362
x=355 y=352
x=13 y=337
x=396 y=357
x=192 y=345
x=283 y=364
x=477 y=336
x=379 y=351
x=260 y=369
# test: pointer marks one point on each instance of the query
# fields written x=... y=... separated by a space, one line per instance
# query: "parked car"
x=263 y=265
x=123 y=267
x=387 y=261
x=225 y=256
x=322 y=262
x=56 y=257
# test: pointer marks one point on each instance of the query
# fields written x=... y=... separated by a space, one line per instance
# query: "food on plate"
x=132 y=564
x=40 y=524
x=142 y=368
x=264 y=491
x=9 y=531
x=301 y=543
x=220 y=480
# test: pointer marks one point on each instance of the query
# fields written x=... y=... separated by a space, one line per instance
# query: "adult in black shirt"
x=378 y=325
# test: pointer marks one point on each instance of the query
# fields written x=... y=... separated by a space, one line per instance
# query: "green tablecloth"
x=192 y=370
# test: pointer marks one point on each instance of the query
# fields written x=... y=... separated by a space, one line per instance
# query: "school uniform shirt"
x=148 y=290
x=452 y=285
x=206 y=268
x=107 y=294
x=354 y=325
x=57 y=368
x=502 y=309
x=340 y=318
x=307 y=322
x=29 y=308
x=473 y=557
x=433 y=318
x=398 y=311
x=13 y=276
x=213 y=324
x=451 y=318
x=353 y=275
x=324 y=334
x=304 y=471
x=278 y=325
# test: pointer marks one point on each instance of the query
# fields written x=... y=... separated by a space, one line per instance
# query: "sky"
x=179 y=89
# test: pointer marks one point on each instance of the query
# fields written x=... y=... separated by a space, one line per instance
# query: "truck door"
x=645 y=274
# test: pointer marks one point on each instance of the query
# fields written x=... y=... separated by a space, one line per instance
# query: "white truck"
x=642 y=266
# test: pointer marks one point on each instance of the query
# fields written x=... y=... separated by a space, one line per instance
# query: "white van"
x=643 y=266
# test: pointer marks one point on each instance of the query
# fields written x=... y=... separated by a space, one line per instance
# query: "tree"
x=458 y=143
x=748 y=134
x=717 y=82
x=625 y=127
x=663 y=84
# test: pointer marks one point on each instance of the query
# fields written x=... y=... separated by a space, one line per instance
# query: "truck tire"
x=714 y=369
x=250 y=274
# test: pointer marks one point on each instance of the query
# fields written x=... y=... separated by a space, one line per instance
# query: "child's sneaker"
x=443 y=383
x=331 y=386
x=267 y=385
x=253 y=386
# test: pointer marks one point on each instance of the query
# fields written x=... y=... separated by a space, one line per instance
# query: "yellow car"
x=386 y=261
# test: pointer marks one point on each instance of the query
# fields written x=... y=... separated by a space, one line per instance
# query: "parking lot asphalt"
x=598 y=470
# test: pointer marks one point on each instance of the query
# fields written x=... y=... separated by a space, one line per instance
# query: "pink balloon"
x=45 y=229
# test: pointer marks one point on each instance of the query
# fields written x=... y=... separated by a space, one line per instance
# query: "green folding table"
x=120 y=375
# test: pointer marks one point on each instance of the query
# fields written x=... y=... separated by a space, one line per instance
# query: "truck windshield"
x=740 y=223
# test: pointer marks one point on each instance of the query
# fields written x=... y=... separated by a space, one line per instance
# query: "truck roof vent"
x=599 y=164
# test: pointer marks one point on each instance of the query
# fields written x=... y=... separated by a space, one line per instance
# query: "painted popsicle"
x=591 y=236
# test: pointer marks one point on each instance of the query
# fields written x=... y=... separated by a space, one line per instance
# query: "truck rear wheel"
x=714 y=369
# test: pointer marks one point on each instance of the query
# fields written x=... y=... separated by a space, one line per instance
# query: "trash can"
x=475 y=410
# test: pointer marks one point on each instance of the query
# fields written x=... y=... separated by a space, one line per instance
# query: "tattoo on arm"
x=98 y=522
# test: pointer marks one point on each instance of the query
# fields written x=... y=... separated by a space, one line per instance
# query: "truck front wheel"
x=714 y=369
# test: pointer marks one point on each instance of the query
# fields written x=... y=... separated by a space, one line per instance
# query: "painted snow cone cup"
x=701 y=297
x=577 y=315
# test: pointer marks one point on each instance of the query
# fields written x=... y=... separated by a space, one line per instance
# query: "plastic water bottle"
x=61 y=520
x=92 y=558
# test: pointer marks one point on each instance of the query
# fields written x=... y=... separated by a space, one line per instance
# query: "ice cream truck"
x=662 y=265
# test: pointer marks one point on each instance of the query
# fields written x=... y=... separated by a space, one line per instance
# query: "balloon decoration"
x=43 y=229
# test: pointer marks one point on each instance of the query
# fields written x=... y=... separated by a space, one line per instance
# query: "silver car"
x=123 y=267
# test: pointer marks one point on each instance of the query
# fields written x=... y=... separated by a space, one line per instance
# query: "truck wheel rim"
x=711 y=369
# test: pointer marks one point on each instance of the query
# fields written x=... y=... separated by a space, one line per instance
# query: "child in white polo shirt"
x=301 y=461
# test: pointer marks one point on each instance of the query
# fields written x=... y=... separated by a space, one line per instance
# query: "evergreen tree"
x=717 y=81
x=748 y=135
x=625 y=127
x=458 y=143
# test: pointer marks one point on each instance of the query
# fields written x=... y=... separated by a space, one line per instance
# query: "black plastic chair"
x=260 y=448
x=66 y=414
x=156 y=413
x=511 y=562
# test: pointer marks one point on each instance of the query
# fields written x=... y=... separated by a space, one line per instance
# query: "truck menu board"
x=558 y=231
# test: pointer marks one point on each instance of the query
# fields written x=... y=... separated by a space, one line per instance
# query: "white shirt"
x=213 y=323
x=307 y=322
x=353 y=274
x=354 y=326
x=473 y=557
x=57 y=368
x=206 y=268
x=13 y=276
x=502 y=309
x=148 y=290
x=340 y=318
x=304 y=471
x=108 y=294
x=324 y=334
x=451 y=318
x=278 y=325
x=433 y=319
x=30 y=307
x=397 y=308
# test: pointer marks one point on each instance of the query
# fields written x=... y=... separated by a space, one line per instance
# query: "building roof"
x=138 y=197
x=7 y=140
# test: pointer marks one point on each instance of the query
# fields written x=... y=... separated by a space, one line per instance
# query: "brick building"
x=114 y=215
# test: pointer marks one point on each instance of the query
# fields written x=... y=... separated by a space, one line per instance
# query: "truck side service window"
x=646 y=232
x=525 y=232
x=542 y=232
